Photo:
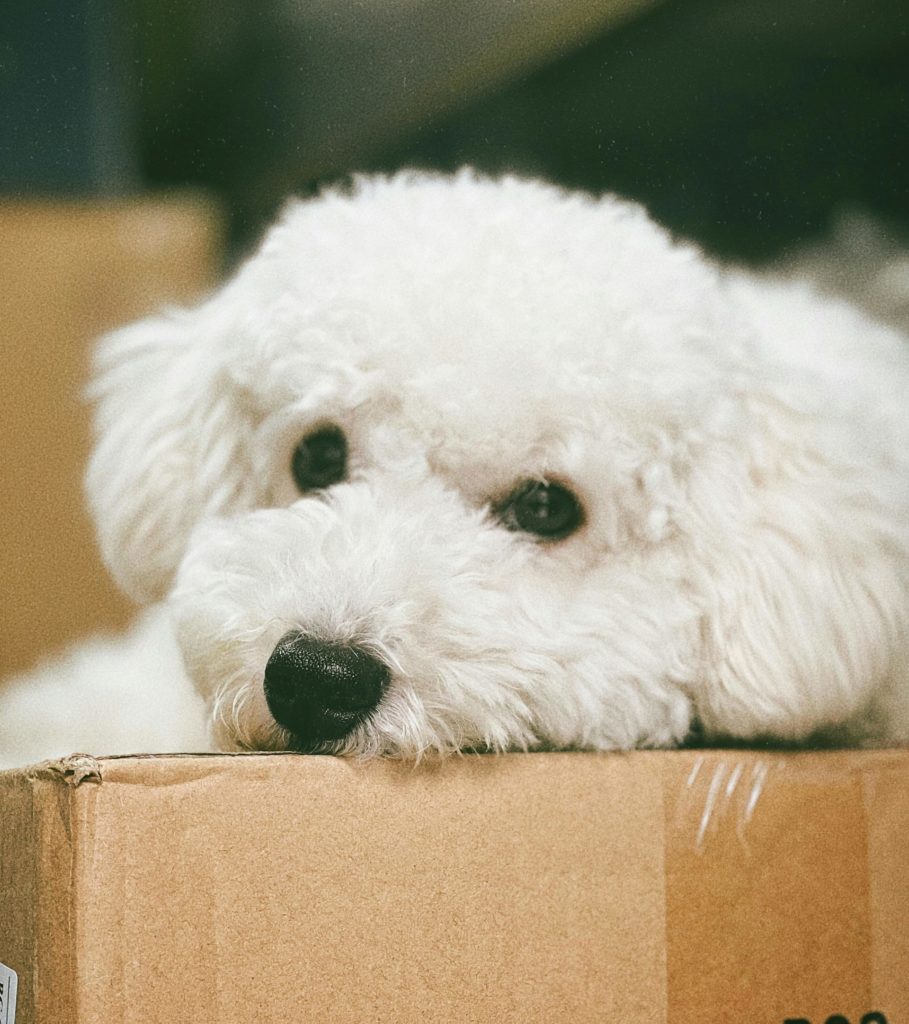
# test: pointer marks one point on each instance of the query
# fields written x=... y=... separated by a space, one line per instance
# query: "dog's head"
x=454 y=463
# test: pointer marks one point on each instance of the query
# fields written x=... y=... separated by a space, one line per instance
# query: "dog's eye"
x=547 y=510
x=320 y=459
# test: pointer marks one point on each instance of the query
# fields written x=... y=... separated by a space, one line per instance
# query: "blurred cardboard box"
x=68 y=272
x=637 y=888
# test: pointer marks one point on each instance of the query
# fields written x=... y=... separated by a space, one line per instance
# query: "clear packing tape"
x=787 y=884
x=724 y=793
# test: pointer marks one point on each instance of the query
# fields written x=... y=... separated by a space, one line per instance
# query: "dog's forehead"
x=479 y=308
x=448 y=259
x=508 y=264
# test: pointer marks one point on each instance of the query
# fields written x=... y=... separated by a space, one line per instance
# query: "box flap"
x=38 y=882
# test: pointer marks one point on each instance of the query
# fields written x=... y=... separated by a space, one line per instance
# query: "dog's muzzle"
x=321 y=691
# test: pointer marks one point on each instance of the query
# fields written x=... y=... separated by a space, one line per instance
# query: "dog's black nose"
x=320 y=691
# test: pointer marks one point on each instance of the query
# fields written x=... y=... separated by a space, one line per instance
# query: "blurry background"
x=144 y=145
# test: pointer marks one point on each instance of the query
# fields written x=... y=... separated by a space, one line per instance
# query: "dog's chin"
x=360 y=744
x=358 y=740
x=370 y=738
x=241 y=734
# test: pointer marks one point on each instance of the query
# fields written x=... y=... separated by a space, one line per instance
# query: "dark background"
x=742 y=124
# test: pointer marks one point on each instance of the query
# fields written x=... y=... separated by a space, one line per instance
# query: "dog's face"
x=445 y=466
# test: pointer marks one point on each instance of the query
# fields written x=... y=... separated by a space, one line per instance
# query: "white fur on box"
x=739 y=447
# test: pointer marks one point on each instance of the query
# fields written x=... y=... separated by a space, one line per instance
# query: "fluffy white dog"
x=454 y=463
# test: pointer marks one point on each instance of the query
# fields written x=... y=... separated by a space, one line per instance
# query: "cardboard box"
x=636 y=888
x=69 y=271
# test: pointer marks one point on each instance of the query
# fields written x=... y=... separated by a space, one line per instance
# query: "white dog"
x=454 y=463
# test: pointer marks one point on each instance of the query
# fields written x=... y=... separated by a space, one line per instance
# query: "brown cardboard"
x=645 y=887
x=69 y=271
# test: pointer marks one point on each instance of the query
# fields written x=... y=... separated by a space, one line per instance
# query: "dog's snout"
x=319 y=690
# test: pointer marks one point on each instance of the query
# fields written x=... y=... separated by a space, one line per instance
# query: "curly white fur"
x=740 y=447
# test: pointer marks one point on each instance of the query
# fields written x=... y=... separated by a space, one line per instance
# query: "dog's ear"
x=805 y=616
x=169 y=444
